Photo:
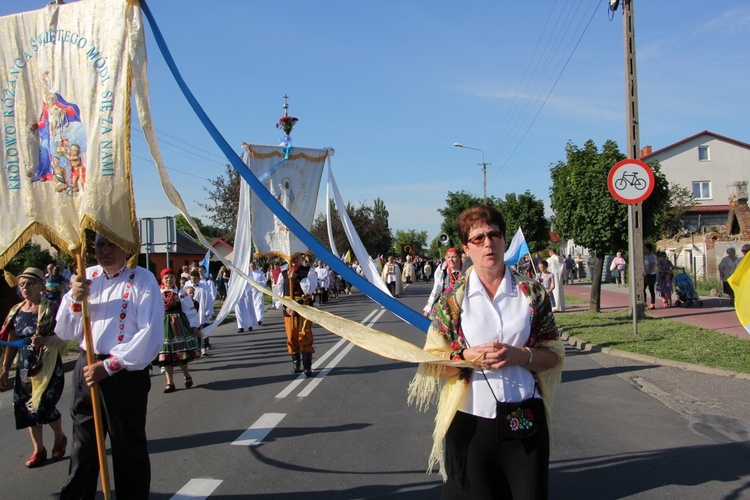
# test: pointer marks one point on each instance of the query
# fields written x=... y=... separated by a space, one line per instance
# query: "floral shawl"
x=445 y=339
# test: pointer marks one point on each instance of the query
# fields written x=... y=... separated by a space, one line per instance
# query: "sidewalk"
x=716 y=314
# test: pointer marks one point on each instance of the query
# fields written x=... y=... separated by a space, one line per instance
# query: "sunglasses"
x=479 y=239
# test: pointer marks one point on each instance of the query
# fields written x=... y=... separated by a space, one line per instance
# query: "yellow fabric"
x=740 y=283
x=67 y=71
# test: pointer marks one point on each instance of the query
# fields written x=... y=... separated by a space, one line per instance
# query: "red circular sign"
x=631 y=181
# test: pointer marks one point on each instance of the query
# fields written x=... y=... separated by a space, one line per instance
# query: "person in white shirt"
x=492 y=413
x=557 y=267
x=127 y=326
x=244 y=310
x=324 y=282
x=205 y=304
x=446 y=274
x=258 y=297
x=727 y=265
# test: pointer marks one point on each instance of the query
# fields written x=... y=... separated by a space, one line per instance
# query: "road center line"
x=197 y=489
x=322 y=374
x=318 y=362
x=259 y=430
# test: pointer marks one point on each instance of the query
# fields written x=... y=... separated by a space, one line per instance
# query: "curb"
x=584 y=346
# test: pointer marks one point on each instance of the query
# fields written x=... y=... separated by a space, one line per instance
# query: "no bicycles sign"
x=630 y=181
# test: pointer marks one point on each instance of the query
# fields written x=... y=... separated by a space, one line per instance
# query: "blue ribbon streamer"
x=16 y=343
x=396 y=307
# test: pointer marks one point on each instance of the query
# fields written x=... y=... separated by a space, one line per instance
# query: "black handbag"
x=519 y=420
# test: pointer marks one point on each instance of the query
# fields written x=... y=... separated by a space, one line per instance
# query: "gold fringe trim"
x=295 y=156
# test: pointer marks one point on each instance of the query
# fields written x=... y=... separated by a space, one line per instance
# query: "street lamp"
x=483 y=164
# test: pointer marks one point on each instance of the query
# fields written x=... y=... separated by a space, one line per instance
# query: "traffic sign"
x=631 y=181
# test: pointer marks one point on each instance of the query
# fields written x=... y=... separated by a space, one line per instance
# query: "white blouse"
x=504 y=317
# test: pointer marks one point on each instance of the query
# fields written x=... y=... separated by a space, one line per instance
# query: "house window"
x=702 y=190
x=703 y=153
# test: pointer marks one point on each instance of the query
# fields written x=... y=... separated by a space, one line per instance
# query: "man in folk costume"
x=258 y=304
x=299 y=335
x=127 y=326
x=557 y=267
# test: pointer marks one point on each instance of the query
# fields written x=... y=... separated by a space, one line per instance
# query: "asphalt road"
x=251 y=429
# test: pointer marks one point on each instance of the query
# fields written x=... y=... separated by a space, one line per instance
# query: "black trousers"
x=124 y=398
x=480 y=465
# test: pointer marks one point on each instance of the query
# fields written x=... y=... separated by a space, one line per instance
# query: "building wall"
x=728 y=163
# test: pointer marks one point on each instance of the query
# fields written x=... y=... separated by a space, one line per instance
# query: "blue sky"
x=391 y=85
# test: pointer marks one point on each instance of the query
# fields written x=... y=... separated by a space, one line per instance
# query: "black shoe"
x=260 y=323
x=307 y=363
x=296 y=368
x=240 y=330
x=250 y=329
x=169 y=388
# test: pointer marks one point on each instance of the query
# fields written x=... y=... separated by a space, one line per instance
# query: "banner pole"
x=95 y=399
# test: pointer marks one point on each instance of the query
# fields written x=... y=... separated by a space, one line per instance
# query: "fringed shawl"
x=445 y=337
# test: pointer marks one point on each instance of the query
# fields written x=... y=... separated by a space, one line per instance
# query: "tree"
x=30 y=255
x=225 y=198
x=376 y=237
x=527 y=212
x=680 y=202
x=209 y=232
x=585 y=210
x=410 y=237
x=379 y=212
x=457 y=202
x=522 y=210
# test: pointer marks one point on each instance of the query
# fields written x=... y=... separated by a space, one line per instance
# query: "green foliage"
x=669 y=220
x=455 y=203
x=411 y=237
x=209 y=232
x=30 y=255
x=375 y=236
x=225 y=200
x=527 y=212
x=523 y=210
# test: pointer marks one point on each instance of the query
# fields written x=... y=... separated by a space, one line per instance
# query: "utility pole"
x=483 y=165
x=635 y=211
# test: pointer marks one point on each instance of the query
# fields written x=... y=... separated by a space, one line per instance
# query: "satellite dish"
x=613 y=4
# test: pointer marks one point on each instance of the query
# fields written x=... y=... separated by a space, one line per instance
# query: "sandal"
x=37 y=459
x=58 y=451
x=169 y=388
x=188 y=382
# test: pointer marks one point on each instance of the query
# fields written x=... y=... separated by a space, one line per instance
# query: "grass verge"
x=661 y=338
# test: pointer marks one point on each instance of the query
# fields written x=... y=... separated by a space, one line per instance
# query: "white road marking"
x=322 y=374
x=302 y=377
x=197 y=489
x=259 y=430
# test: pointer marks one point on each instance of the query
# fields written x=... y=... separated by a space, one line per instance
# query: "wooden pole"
x=95 y=399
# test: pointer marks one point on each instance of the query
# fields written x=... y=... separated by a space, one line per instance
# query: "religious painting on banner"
x=293 y=177
x=65 y=75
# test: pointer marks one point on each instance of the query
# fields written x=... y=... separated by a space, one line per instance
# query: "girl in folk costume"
x=181 y=343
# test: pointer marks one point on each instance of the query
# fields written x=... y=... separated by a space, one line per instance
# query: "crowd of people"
x=468 y=306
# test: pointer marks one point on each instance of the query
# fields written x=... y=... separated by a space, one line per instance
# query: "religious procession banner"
x=65 y=125
x=292 y=175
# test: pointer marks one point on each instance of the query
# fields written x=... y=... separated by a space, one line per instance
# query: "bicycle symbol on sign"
x=630 y=179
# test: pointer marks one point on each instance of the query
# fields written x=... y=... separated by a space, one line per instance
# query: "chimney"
x=645 y=151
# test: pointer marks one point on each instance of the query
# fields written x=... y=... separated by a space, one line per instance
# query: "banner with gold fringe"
x=65 y=125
